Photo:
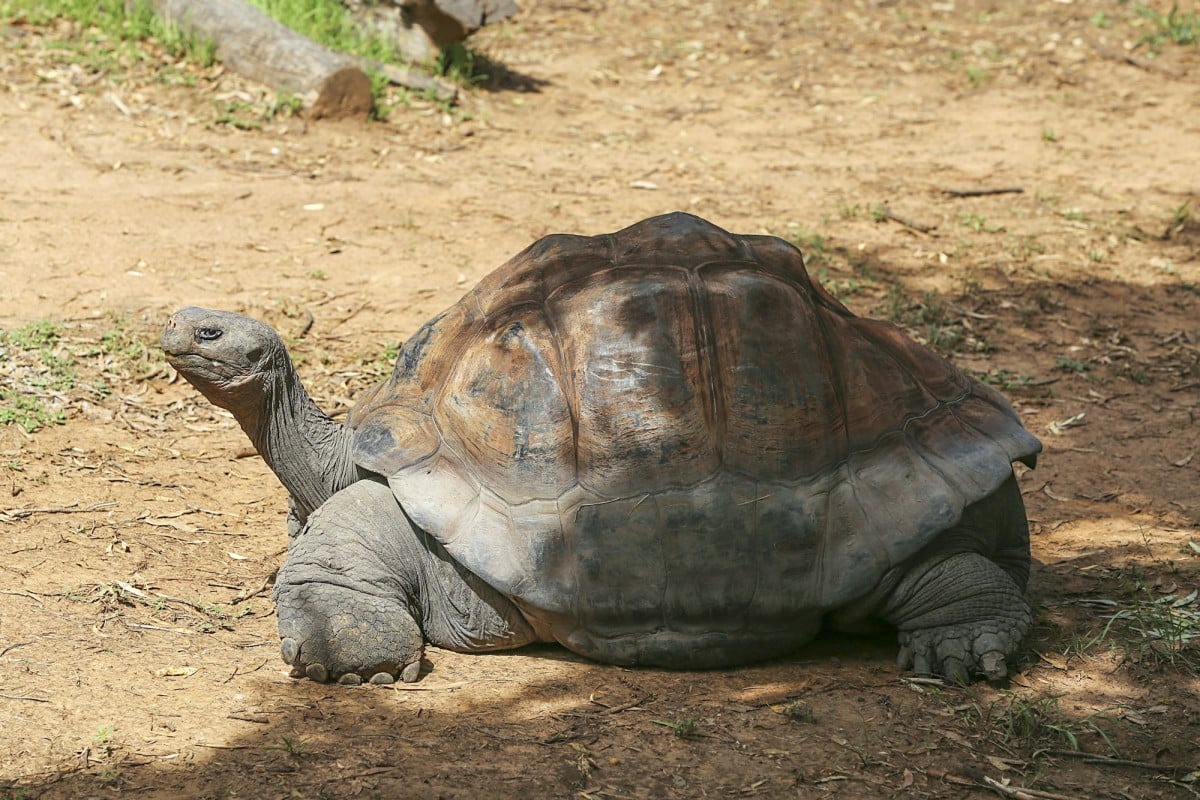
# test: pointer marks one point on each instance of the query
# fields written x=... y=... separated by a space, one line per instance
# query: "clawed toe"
x=290 y=651
x=959 y=653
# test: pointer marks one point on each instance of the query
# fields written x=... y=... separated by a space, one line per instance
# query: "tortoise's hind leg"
x=958 y=616
x=960 y=606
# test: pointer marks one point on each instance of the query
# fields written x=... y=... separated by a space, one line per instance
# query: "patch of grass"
x=842 y=288
x=203 y=616
x=798 y=711
x=294 y=747
x=329 y=23
x=1049 y=135
x=1156 y=632
x=979 y=224
x=684 y=728
x=1033 y=721
x=1172 y=27
x=37 y=368
x=103 y=734
x=461 y=64
x=1182 y=215
x=1023 y=720
x=928 y=319
x=1066 y=364
x=285 y=105
x=239 y=114
x=1004 y=380
x=813 y=245
x=35 y=335
x=381 y=366
x=105 y=21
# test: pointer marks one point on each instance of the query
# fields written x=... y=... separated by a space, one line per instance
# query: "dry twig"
x=13 y=514
x=1020 y=793
x=928 y=230
x=983 y=192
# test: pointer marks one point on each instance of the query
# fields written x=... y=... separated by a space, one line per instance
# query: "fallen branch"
x=14 y=514
x=928 y=230
x=411 y=79
x=622 y=707
x=1095 y=758
x=983 y=192
x=246 y=594
x=1132 y=60
x=1021 y=793
x=24 y=697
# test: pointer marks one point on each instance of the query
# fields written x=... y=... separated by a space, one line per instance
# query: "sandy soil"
x=138 y=652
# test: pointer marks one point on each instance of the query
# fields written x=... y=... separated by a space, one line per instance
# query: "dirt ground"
x=138 y=653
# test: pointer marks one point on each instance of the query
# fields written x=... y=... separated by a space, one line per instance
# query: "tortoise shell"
x=675 y=428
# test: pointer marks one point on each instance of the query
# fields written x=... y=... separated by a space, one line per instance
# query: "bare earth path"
x=138 y=653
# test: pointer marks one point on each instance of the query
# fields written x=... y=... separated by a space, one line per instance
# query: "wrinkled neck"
x=307 y=451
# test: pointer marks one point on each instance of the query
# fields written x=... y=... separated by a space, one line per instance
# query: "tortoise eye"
x=208 y=334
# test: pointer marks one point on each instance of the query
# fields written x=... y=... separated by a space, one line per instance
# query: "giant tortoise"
x=665 y=446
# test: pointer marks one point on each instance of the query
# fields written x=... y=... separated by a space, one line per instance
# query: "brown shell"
x=672 y=419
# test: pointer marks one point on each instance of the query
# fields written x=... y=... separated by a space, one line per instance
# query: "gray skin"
x=364 y=589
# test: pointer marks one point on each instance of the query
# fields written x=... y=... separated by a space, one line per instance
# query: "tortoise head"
x=229 y=357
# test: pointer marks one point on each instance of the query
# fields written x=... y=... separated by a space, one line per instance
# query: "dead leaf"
x=1046 y=491
x=1057 y=427
x=174 y=672
x=1055 y=661
x=907 y=780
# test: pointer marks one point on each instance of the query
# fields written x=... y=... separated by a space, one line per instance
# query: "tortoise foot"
x=961 y=652
x=364 y=639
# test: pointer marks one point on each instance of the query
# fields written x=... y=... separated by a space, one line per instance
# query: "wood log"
x=334 y=85
x=256 y=46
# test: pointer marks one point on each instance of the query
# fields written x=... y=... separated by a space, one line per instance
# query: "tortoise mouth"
x=206 y=369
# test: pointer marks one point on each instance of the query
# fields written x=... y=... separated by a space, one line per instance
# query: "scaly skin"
x=958 y=616
x=362 y=591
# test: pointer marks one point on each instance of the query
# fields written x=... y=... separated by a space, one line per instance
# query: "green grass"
x=1004 y=380
x=1066 y=364
x=979 y=224
x=329 y=23
x=1024 y=721
x=929 y=320
x=1172 y=27
x=37 y=368
x=103 y=22
x=1155 y=632
x=108 y=33
x=684 y=728
x=380 y=366
x=46 y=367
x=1019 y=718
